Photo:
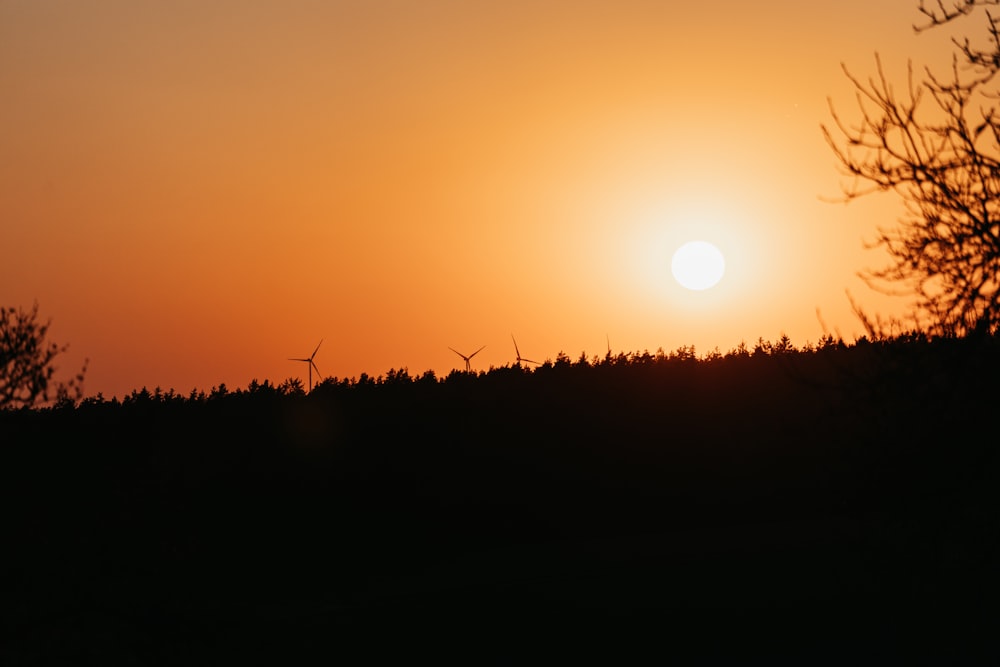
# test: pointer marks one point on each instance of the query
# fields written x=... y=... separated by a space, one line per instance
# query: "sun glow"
x=698 y=265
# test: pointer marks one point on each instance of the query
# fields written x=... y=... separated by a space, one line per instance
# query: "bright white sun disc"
x=698 y=265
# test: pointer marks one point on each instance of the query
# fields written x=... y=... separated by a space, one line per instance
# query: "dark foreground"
x=821 y=508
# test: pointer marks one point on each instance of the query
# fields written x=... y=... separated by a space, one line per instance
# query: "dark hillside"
x=802 y=505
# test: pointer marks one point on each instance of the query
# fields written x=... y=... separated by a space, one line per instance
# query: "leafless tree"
x=935 y=142
x=26 y=362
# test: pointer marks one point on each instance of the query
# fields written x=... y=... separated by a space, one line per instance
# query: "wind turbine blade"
x=528 y=360
x=517 y=352
x=316 y=367
x=458 y=353
x=317 y=349
x=477 y=352
x=295 y=359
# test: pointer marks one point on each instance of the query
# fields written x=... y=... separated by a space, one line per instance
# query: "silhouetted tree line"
x=293 y=387
x=849 y=482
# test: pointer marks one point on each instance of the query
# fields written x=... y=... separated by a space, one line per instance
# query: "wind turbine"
x=312 y=364
x=468 y=366
x=518 y=353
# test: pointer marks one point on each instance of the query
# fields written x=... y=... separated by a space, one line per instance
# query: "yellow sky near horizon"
x=194 y=192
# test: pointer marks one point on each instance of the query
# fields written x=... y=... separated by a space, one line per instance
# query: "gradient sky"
x=195 y=191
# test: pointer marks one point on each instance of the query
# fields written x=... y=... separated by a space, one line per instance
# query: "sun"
x=698 y=265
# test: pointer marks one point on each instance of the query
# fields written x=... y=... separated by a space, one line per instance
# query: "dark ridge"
x=809 y=506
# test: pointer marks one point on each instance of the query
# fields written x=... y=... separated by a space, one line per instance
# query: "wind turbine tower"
x=312 y=365
x=468 y=366
x=517 y=352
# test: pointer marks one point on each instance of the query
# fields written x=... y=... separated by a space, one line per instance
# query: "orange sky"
x=196 y=191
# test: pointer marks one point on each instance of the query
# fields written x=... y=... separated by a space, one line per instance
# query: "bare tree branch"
x=26 y=362
x=937 y=146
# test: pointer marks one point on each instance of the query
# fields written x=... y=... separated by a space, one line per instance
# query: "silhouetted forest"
x=817 y=505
